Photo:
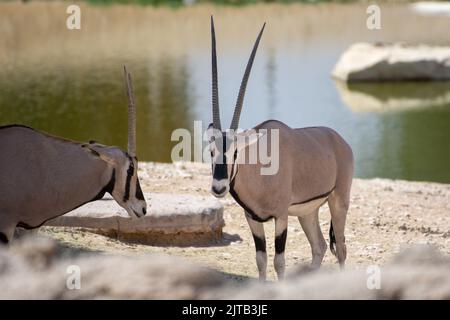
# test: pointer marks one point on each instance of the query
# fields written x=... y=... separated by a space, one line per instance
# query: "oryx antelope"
x=315 y=167
x=43 y=176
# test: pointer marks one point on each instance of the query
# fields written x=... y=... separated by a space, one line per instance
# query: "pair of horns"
x=215 y=90
x=131 y=114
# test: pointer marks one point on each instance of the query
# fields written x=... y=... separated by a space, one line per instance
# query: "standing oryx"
x=315 y=166
x=43 y=176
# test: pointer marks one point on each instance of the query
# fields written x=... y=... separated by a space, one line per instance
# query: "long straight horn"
x=240 y=99
x=215 y=88
x=131 y=114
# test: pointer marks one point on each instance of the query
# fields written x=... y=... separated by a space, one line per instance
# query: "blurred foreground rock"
x=36 y=268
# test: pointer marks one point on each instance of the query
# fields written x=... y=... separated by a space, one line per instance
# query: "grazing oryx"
x=315 y=166
x=43 y=176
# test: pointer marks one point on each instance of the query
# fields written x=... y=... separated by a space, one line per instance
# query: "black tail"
x=332 y=239
x=3 y=238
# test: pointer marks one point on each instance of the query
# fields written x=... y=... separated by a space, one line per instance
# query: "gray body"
x=35 y=169
x=313 y=162
x=315 y=167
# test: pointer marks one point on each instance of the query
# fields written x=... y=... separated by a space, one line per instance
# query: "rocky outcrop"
x=393 y=62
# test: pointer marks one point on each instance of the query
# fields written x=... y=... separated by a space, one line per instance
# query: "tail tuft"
x=332 y=239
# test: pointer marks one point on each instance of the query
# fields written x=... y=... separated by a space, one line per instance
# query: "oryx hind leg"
x=339 y=203
x=311 y=227
x=257 y=229
x=281 y=224
x=6 y=232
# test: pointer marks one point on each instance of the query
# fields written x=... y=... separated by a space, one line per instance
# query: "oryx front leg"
x=311 y=227
x=281 y=224
x=257 y=229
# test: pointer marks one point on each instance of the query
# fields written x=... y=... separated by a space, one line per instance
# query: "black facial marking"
x=260 y=243
x=130 y=173
x=280 y=242
x=220 y=169
x=3 y=238
x=139 y=194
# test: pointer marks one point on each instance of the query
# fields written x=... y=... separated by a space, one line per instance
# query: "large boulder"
x=393 y=62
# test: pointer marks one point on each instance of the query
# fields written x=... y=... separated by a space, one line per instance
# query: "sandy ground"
x=384 y=217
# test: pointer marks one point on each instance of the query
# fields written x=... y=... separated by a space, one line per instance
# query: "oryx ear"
x=212 y=133
x=247 y=138
x=98 y=151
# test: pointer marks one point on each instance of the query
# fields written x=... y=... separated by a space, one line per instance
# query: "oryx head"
x=125 y=187
x=226 y=145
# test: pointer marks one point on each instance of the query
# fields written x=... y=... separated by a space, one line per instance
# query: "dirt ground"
x=384 y=217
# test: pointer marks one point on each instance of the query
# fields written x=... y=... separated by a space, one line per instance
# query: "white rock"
x=383 y=62
x=167 y=214
x=431 y=8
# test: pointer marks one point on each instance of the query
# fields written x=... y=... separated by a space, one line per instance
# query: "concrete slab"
x=167 y=214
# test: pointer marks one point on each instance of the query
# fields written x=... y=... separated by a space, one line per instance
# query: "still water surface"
x=396 y=130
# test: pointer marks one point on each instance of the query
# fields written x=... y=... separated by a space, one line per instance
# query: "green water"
x=83 y=105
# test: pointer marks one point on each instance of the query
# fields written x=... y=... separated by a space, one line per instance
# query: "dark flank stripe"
x=280 y=242
x=109 y=187
x=252 y=215
x=260 y=243
x=315 y=198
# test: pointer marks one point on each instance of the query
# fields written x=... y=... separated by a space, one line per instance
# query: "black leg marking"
x=280 y=242
x=332 y=238
x=260 y=243
x=3 y=238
